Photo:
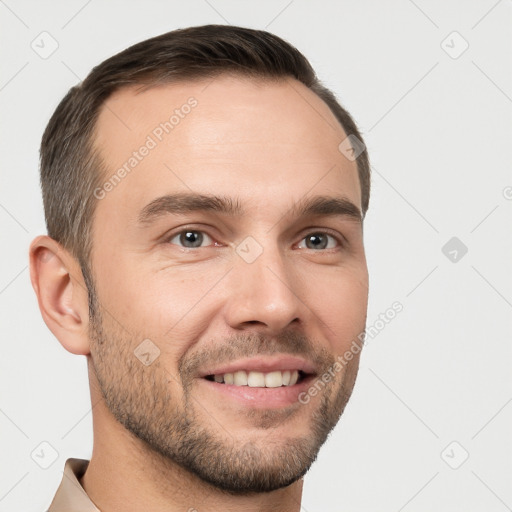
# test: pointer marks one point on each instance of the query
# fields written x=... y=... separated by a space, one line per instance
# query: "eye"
x=190 y=238
x=319 y=240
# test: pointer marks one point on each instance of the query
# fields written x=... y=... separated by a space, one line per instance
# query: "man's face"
x=263 y=291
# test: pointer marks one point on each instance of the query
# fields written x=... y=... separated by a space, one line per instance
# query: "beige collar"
x=70 y=496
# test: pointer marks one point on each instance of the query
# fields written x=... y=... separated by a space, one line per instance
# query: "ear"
x=61 y=293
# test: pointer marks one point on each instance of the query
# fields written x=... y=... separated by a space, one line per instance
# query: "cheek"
x=341 y=305
x=170 y=306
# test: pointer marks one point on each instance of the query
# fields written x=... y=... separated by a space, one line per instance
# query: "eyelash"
x=337 y=237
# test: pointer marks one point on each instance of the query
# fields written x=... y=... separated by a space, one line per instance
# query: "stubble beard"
x=139 y=398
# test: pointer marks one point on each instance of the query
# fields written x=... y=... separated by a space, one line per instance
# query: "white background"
x=439 y=134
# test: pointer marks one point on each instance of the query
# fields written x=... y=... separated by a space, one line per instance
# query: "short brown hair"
x=70 y=166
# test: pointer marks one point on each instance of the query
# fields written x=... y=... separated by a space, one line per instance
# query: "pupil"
x=315 y=245
x=192 y=237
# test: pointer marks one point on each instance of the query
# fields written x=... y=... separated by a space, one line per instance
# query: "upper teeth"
x=258 y=379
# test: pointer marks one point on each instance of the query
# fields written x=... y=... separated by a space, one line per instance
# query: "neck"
x=125 y=475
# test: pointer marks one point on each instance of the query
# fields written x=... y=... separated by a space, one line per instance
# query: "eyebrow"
x=188 y=202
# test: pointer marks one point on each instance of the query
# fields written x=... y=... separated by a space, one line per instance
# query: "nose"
x=264 y=293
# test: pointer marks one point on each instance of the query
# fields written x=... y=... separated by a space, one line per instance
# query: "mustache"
x=252 y=345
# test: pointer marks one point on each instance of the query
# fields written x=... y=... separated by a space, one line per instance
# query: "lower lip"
x=268 y=398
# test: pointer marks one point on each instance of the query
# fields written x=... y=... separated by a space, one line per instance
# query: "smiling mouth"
x=254 y=379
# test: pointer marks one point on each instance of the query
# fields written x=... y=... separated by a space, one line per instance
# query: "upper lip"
x=264 y=364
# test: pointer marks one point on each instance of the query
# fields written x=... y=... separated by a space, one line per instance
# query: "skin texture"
x=164 y=439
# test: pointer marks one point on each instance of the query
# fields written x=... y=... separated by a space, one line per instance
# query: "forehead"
x=222 y=135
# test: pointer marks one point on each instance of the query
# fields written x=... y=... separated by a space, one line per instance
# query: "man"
x=204 y=197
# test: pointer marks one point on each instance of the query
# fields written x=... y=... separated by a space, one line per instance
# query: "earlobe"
x=61 y=293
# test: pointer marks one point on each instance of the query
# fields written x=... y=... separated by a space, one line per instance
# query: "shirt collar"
x=71 y=496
